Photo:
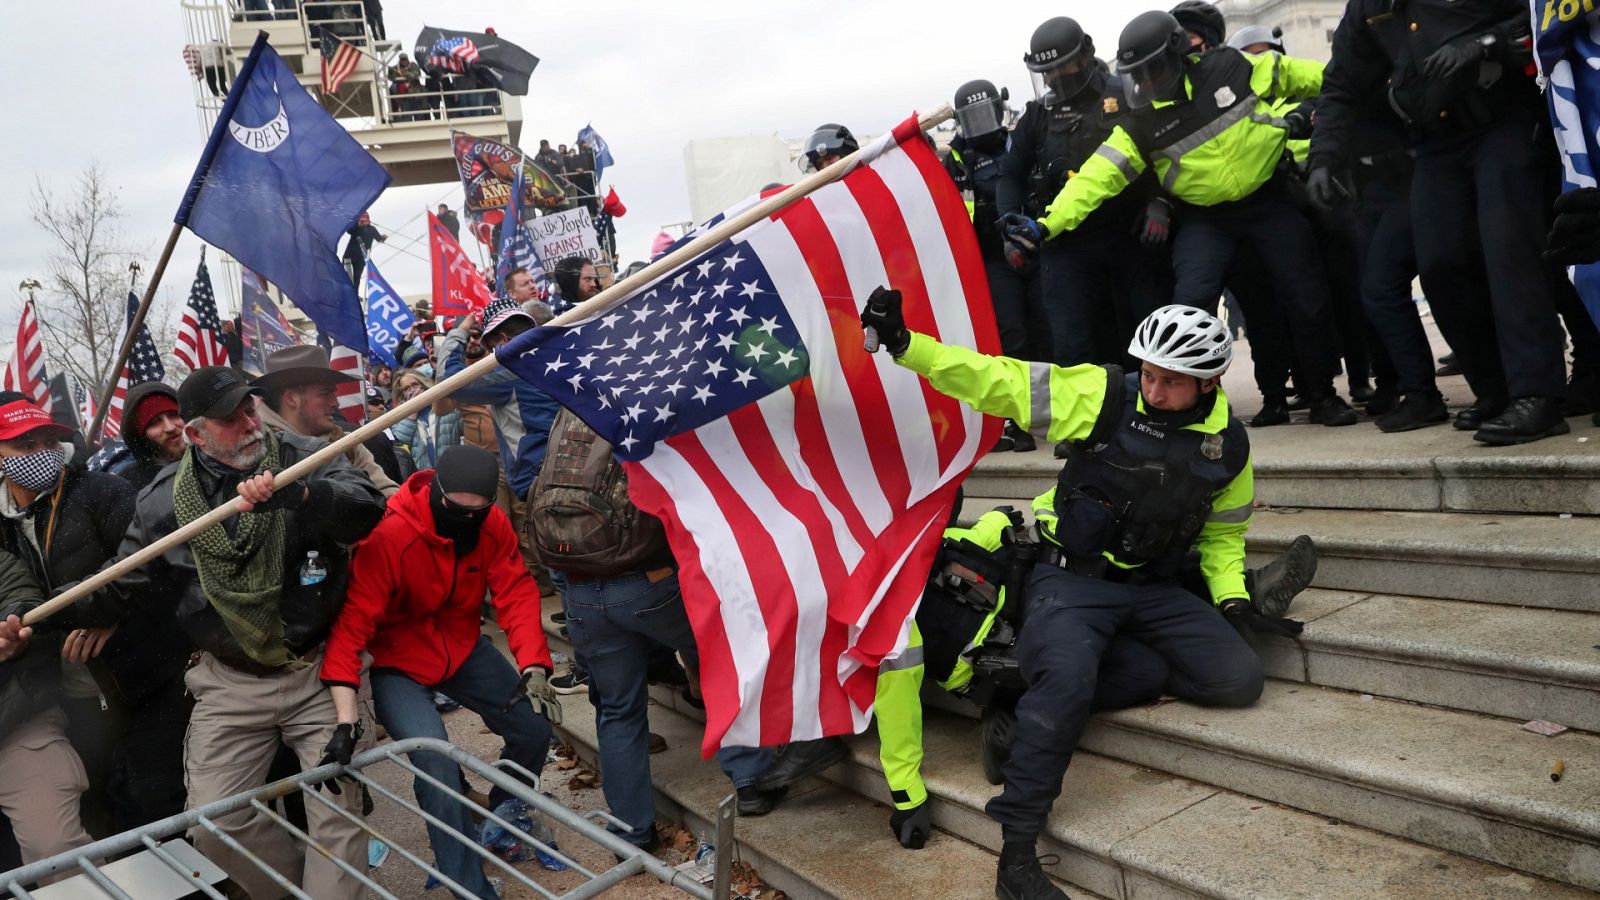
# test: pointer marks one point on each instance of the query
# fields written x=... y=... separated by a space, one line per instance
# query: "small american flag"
x=25 y=372
x=804 y=482
x=339 y=59
x=453 y=54
x=144 y=364
x=200 y=333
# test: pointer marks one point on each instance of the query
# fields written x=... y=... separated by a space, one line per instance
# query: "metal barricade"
x=99 y=879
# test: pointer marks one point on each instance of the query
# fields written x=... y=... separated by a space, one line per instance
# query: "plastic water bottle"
x=312 y=571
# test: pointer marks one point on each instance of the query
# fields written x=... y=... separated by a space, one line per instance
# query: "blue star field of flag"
x=698 y=344
x=144 y=363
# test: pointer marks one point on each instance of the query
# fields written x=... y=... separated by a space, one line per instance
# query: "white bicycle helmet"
x=1183 y=339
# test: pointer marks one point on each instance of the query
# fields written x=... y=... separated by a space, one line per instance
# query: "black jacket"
x=133 y=457
x=30 y=681
x=1050 y=144
x=342 y=507
x=1378 y=53
x=91 y=515
x=978 y=170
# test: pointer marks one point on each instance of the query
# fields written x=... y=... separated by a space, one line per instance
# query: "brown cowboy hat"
x=294 y=366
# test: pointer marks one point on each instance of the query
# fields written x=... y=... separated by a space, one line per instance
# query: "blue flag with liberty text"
x=277 y=186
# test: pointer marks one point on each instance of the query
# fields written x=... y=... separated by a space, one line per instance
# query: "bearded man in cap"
x=257 y=594
x=301 y=393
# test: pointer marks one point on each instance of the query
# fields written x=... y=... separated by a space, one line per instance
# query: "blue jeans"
x=613 y=622
x=483 y=684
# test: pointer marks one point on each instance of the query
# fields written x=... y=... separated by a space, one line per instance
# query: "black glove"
x=912 y=826
x=1299 y=122
x=883 y=316
x=1247 y=620
x=1326 y=191
x=1157 y=224
x=1022 y=229
x=1022 y=258
x=339 y=750
x=289 y=496
x=1575 y=237
x=1453 y=58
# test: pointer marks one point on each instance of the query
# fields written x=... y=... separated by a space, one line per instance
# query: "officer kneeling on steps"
x=1159 y=471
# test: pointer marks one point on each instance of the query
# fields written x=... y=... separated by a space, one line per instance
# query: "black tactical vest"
x=1140 y=488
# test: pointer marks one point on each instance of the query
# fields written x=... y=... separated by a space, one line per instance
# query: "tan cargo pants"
x=234 y=731
x=43 y=779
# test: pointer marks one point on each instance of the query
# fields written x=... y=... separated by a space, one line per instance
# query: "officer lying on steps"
x=1159 y=470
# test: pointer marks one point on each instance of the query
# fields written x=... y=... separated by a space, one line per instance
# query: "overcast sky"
x=111 y=86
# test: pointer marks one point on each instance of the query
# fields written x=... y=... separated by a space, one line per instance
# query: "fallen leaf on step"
x=1540 y=726
x=583 y=780
x=567 y=764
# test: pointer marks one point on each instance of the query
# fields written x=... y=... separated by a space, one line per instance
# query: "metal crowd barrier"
x=180 y=864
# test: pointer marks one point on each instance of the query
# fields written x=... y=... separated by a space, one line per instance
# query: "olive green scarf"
x=241 y=574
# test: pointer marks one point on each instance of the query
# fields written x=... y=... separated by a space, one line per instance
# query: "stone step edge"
x=779 y=866
x=864 y=775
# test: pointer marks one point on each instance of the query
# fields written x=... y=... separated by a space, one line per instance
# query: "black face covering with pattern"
x=462 y=469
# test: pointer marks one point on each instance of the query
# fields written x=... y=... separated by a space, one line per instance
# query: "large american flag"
x=144 y=364
x=339 y=59
x=25 y=372
x=453 y=54
x=804 y=483
x=200 y=332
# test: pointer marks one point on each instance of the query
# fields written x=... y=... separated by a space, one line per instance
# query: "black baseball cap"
x=213 y=392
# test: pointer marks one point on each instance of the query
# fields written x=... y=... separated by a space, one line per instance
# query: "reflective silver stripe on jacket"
x=1039 y=414
x=1119 y=159
x=1235 y=516
x=909 y=658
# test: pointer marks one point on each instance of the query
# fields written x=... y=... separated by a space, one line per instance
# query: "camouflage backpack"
x=579 y=515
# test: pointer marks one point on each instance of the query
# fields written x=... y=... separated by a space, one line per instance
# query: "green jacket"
x=1219 y=145
x=1063 y=404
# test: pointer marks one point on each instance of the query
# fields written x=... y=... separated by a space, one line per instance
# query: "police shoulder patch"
x=1109 y=106
x=1224 y=97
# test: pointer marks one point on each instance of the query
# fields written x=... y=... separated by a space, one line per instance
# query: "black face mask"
x=993 y=143
x=1182 y=417
x=451 y=520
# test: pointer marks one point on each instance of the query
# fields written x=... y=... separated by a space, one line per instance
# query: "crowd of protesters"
x=357 y=596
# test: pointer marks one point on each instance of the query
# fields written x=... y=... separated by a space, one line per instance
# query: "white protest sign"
x=563 y=234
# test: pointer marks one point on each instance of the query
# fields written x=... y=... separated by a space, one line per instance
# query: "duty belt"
x=1098 y=568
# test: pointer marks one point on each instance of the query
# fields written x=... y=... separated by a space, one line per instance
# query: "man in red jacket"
x=416 y=586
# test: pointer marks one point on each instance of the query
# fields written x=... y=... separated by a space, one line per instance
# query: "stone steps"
x=1511 y=560
x=1121 y=830
x=825 y=841
x=1521 y=663
x=1431 y=470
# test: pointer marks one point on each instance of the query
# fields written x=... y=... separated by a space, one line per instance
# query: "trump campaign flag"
x=1566 y=45
x=388 y=317
x=804 y=482
x=458 y=289
x=588 y=137
x=517 y=250
x=278 y=184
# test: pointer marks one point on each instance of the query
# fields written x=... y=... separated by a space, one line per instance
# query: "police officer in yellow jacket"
x=1205 y=123
x=1160 y=471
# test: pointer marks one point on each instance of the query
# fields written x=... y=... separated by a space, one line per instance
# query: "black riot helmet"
x=826 y=143
x=980 y=109
x=1151 y=55
x=1061 y=59
x=1203 y=20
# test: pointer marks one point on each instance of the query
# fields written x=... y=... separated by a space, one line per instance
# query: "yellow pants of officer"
x=898 y=709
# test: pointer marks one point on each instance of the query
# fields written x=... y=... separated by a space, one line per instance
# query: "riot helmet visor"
x=1158 y=77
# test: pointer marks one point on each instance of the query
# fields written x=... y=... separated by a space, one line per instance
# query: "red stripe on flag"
x=811 y=235
x=817 y=454
x=774 y=591
x=756 y=440
x=904 y=270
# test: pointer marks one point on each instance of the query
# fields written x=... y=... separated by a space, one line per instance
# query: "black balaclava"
x=1181 y=417
x=462 y=469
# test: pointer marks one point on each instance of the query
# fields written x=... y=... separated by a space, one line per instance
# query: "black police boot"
x=1482 y=410
x=1021 y=441
x=1004 y=443
x=1583 y=393
x=1526 y=419
x=755 y=802
x=1020 y=877
x=997 y=727
x=1383 y=401
x=800 y=759
x=1361 y=390
x=1448 y=366
x=1274 y=586
x=1416 y=410
x=1331 y=410
x=1063 y=449
x=1298 y=401
x=1274 y=411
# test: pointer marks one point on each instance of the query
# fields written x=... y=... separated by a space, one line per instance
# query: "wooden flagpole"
x=100 y=412
x=594 y=306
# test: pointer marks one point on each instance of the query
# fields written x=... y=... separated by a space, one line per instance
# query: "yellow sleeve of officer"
x=1044 y=513
x=1054 y=402
x=898 y=708
x=1221 y=540
x=1275 y=77
x=1112 y=167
